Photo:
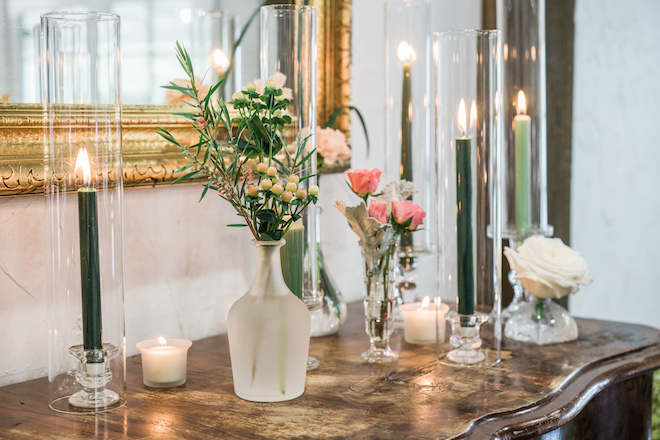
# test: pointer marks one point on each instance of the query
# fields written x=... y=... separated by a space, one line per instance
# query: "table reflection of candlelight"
x=220 y=62
x=164 y=361
x=89 y=256
x=419 y=321
x=522 y=142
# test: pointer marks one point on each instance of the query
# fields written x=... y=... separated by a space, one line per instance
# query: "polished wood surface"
x=534 y=390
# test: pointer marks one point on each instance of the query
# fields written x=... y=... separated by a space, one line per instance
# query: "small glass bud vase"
x=468 y=143
x=83 y=184
x=542 y=322
x=380 y=299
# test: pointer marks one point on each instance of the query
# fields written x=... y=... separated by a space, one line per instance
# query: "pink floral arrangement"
x=331 y=145
x=387 y=215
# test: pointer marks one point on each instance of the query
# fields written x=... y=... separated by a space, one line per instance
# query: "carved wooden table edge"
x=567 y=401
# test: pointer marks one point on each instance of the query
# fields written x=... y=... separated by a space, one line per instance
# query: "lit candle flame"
x=82 y=164
x=461 y=116
x=220 y=60
x=522 y=105
x=473 y=114
x=162 y=341
x=406 y=52
x=425 y=303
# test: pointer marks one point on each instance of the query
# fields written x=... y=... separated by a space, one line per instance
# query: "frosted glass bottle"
x=269 y=330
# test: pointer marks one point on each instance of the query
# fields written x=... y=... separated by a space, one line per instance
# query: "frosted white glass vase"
x=269 y=330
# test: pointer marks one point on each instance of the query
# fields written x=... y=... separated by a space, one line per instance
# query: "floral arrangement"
x=547 y=268
x=331 y=145
x=253 y=169
x=387 y=215
x=175 y=97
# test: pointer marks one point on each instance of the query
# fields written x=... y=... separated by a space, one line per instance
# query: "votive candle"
x=164 y=361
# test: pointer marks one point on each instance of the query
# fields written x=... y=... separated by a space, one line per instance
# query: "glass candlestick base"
x=465 y=338
x=541 y=322
x=94 y=374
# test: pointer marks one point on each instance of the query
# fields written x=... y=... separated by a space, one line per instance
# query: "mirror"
x=149 y=30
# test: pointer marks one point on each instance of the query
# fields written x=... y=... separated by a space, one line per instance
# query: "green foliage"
x=236 y=168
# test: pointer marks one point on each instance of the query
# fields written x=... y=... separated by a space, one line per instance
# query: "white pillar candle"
x=164 y=361
x=419 y=322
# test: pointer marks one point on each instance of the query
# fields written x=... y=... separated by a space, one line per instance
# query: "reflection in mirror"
x=149 y=30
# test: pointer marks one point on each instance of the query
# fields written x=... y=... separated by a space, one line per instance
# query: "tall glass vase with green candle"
x=84 y=194
x=408 y=56
x=469 y=260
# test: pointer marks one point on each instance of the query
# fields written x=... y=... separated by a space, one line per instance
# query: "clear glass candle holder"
x=214 y=36
x=409 y=147
x=83 y=185
x=164 y=361
x=468 y=133
x=288 y=57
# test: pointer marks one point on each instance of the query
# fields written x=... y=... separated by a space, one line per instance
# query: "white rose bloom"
x=547 y=268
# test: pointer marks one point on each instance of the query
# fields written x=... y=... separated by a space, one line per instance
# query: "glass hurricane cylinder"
x=269 y=331
x=468 y=142
x=214 y=36
x=524 y=170
x=380 y=299
x=409 y=147
x=288 y=57
x=83 y=185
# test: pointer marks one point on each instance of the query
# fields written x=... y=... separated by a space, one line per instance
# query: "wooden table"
x=598 y=387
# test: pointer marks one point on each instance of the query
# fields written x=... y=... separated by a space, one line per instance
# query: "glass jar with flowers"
x=257 y=173
x=379 y=223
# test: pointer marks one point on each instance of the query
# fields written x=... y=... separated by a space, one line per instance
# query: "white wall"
x=183 y=267
x=615 y=206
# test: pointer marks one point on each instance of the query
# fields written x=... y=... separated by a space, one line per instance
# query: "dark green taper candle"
x=407 y=55
x=464 y=245
x=89 y=258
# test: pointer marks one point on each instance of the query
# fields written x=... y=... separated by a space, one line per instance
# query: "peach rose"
x=331 y=145
x=378 y=210
x=408 y=211
x=364 y=181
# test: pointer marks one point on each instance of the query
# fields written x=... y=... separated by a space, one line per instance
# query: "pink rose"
x=378 y=210
x=364 y=181
x=331 y=145
x=403 y=211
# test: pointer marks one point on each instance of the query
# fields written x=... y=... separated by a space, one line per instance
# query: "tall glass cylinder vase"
x=409 y=148
x=288 y=57
x=524 y=170
x=83 y=185
x=214 y=36
x=468 y=133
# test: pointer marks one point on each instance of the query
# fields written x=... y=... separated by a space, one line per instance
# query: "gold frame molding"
x=148 y=159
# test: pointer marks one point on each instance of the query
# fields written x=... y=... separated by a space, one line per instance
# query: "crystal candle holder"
x=468 y=143
x=83 y=185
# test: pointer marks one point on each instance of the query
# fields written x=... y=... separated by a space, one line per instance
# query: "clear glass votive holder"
x=468 y=131
x=80 y=64
x=423 y=324
x=164 y=361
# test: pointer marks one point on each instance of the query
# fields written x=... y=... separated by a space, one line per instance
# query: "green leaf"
x=267 y=215
x=336 y=113
x=186 y=177
x=237 y=225
x=206 y=188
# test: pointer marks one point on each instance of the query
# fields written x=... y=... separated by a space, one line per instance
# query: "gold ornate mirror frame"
x=148 y=159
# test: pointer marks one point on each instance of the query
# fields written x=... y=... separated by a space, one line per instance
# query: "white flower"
x=279 y=79
x=331 y=145
x=547 y=268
